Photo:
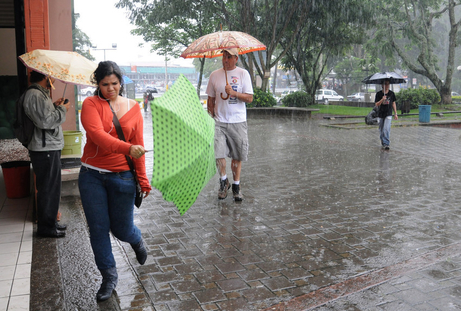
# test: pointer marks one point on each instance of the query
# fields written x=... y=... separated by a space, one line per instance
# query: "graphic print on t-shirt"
x=234 y=83
x=386 y=101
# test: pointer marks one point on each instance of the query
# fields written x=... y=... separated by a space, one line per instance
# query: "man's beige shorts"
x=231 y=140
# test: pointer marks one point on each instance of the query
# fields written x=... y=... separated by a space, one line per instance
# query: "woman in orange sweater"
x=107 y=186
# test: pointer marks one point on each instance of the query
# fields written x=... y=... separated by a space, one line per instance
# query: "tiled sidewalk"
x=323 y=207
x=15 y=251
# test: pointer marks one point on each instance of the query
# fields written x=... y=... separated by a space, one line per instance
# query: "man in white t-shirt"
x=227 y=105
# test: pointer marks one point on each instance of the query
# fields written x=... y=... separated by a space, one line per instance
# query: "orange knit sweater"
x=103 y=148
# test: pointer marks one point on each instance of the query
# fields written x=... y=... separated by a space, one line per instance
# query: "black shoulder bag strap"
x=120 y=134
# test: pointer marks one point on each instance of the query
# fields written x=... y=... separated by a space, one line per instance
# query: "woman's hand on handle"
x=137 y=151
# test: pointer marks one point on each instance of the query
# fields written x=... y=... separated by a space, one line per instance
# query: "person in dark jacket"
x=45 y=152
x=385 y=100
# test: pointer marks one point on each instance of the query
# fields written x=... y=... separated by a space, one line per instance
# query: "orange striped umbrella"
x=211 y=45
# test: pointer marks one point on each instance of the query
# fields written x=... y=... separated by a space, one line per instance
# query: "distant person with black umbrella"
x=385 y=101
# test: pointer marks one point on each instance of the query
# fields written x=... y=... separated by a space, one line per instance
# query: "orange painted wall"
x=36 y=20
x=49 y=27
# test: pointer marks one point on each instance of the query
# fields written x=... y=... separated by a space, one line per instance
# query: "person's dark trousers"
x=47 y=169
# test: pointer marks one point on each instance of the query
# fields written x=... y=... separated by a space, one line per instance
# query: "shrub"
x=262 y=99
x=297 y=99
x=418 y=97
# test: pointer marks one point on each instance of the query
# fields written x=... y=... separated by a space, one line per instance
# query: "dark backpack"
x=23 y=126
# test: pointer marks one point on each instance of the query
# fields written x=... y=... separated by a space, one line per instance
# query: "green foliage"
x=297 y=99
x=328 y=33
x=418 y=97
x=271 y=22
x=211 y=64
x=170 y=26
x=262 y=99
x=81 y=41
x=419 y=35
x=352 y=69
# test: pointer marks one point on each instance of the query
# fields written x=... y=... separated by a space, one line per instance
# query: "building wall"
x=60 y=29
x=9 y=86
x=47 y=25
x=8 y=59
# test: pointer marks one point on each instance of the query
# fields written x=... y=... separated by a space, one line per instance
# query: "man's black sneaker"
x=386 y=147
x=223 y=187
x=236 y=192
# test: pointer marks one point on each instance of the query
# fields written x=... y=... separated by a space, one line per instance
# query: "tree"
x=271 y=22
x=406 y=29
x=353 y=68
x=329 y=32
x=81 y=41
x=349 y=72
x=211 y=64
x=171 y=26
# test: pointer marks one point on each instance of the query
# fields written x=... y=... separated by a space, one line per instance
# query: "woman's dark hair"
x=105 y=69
x=36 y=76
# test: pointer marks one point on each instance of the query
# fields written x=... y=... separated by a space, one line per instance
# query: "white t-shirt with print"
x=230 y=110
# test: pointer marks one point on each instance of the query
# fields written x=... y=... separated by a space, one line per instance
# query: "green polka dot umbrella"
x=183 y=133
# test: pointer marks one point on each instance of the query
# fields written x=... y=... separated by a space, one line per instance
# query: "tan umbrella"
x=65 y=66
x=211 y=45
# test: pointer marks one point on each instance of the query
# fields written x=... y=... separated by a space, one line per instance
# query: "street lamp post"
x=114 y=47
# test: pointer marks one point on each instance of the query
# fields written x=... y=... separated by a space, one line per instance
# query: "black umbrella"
x=380 y=77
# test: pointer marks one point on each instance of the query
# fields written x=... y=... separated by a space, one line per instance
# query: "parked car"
x=284 y=93
x=326 y=95
x=151 y=88
x=87 y=91
x=455 y=94
x=357 y=97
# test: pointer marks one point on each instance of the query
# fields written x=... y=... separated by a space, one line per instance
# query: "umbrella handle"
x=227 y=83
x=65 y=87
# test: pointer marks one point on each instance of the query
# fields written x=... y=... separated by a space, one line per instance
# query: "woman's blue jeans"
x=108 y=202
x=385 y=130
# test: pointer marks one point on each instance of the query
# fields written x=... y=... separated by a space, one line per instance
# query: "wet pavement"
x=329 y=222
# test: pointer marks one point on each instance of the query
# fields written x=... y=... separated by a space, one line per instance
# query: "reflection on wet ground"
x=326 y=213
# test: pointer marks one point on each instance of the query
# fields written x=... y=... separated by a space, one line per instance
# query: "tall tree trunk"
x=274 y=84
x=199 y=84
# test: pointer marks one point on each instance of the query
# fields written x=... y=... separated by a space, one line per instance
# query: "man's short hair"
x=36 y=76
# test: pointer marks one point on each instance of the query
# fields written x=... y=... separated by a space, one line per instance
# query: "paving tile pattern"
x=322 y=205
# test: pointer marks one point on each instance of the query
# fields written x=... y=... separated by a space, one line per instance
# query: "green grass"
x=363 y=111
x=341 y=110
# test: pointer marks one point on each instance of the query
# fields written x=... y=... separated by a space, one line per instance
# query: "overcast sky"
x=105 y=24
